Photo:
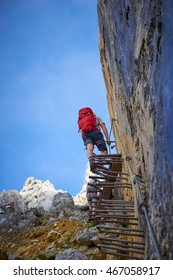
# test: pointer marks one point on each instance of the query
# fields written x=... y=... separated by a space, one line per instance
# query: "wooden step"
x=126 y=256
x=120 y=231
x=121 y=222
x=121 y=247
x=126 y=241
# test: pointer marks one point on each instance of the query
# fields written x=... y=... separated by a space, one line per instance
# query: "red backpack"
x=86 y=120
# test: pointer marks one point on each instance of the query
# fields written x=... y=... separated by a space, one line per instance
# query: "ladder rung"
x=121 y=255
x=113 y=186
x=124 y=245
x=110 y=211
x=118 y=201
x=111 y=216
x=121 y=240
x=116 y=221
x=119 y=228
x=123 y=217
x=119 y=209
x=119 y=248
x=116 y=204
x=123 y=233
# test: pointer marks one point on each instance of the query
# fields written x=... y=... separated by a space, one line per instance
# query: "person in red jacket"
x=95 y=136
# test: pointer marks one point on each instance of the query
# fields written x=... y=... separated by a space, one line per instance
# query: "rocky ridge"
x=40 y=222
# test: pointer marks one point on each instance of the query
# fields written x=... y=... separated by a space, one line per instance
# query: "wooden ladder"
x=115 y=216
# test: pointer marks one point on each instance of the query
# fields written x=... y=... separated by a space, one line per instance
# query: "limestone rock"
x=86 y=238
x=63 y=200
x=38 y=193
x=13 y=199
x=136 y=58
x=71 y=254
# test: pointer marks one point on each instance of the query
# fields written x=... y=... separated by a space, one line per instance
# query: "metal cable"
x=136 y=181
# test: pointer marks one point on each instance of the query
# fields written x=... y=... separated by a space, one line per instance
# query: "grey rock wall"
x=135 y=39
x=27 y=208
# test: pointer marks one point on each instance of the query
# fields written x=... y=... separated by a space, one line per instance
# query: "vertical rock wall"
x=136 y=39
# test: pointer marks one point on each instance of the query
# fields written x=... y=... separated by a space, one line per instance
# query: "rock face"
x=38 y=193
x=137 y=63
x=27 y=209
x=40 y=222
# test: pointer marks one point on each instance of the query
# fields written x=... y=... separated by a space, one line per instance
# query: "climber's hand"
x=108 y=142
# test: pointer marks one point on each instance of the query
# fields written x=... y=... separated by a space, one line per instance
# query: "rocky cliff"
x=40 y=222
x=135 y=39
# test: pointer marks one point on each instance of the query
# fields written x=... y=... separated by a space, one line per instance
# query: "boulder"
x=71 y=254
x=63 y=200
x=11 y=201
x=37 y=193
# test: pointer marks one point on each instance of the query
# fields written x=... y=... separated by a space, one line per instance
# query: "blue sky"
x=50 y=68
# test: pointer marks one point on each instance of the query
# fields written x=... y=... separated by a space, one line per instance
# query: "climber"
x=90 y=126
